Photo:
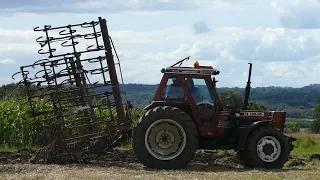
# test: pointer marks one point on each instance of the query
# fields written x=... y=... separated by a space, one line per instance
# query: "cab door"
x=201 y=94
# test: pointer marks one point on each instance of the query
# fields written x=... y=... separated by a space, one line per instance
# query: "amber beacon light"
x=196 y=64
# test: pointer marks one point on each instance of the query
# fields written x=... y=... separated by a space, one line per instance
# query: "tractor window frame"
x=165 y=89
x=208 y=86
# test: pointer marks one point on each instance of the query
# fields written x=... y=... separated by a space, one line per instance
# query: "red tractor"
x=186 y=115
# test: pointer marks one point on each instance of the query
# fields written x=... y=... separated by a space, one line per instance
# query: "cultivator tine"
x=75 y=114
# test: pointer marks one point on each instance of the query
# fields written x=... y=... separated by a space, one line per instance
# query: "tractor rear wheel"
x=266 y=148
x=165 y=137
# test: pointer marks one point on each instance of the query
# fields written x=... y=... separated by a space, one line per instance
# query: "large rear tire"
x=266 y=148
x=165 y=137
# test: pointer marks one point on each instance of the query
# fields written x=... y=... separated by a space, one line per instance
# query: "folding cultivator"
x=79 y=112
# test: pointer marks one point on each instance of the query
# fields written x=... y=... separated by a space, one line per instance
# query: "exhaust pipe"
x=247 y=91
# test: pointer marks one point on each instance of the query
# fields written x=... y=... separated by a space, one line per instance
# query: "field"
x=137 y=172
x=122 y=164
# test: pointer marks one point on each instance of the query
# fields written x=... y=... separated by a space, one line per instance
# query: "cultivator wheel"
x=74 y=94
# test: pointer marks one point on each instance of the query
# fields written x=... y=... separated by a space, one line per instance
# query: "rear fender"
x=154 y=104
x=243 y=137
x=184 y=106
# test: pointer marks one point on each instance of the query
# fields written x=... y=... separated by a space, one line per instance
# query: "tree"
x=256 y=106
x=316 y=113
x=292 y=128
x=230 y=98
x=315 y=125
x=235 y=100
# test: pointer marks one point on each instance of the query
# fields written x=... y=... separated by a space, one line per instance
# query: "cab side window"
x=173 y=89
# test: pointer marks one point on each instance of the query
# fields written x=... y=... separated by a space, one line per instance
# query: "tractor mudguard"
x=154 y=104
x=243 y=138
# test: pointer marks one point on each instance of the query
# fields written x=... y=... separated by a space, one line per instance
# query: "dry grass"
x=136 y=171
x=123 y=170
x=304 y=135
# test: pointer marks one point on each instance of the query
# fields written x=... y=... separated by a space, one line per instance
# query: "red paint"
x=220 y=114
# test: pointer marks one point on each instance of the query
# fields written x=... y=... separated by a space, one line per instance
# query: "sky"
x=280 y=37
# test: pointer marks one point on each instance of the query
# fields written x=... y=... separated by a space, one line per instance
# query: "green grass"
x=126 y=146
x=6 y=148
x=306 y=144
x=298 y=119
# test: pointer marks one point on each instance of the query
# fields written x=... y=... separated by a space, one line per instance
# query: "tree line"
x=297 y=102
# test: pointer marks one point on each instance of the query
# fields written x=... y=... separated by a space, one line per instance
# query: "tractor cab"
x=191 y=89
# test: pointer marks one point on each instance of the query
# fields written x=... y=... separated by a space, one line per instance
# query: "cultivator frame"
x=75 y=114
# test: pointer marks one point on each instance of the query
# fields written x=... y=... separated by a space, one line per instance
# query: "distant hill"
x=297 y=102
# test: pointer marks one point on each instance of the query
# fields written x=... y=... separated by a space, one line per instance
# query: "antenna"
x=181 y=61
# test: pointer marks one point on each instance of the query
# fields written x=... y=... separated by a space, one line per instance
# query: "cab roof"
x=197 y=69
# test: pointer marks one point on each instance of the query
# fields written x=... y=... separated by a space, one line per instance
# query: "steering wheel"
x=205 y=104
x=206 y=110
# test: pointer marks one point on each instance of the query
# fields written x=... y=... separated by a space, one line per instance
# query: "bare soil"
x=119 y=164
x=123 y=157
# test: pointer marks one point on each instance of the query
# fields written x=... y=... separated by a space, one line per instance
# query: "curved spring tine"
x=89 y=25
x=92 y=35
x=90 y=48
x=58 y=39
x=15 y=75
x=67 y=81
x=99 y=71
x=66 y=70
x=47 y=27
x=24 y=72
x=54 y=63
x=76 y=36
x=65 y=32
x=41 y=62
x=37 y=28
x=47 y=52
x=98 y=59
x=42 y=42
x=44 y=70
x=67 y=45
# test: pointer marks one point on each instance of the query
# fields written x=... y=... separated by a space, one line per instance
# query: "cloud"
x=266 y=44
x=200 y=27
x=94 y=6
x=280 y=56
x=110 y=6
x=298 y=14
x=295 y=74
x=6 y=61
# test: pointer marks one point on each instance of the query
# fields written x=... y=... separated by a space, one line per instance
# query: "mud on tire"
x=266 y=148
x=168 y=131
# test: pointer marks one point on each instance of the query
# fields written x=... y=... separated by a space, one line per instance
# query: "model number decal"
x=254 y=114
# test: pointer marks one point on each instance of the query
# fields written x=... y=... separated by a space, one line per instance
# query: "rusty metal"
x=112 y=69
x=78 y=111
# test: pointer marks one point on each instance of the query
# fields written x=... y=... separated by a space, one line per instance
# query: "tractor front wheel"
x=266 y=148
x=165 y=137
